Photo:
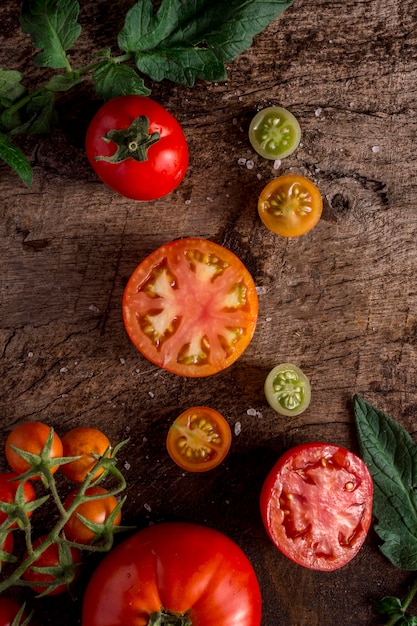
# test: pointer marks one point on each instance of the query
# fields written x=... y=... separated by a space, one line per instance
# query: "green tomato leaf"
x=41 y=113
x=63 y=82
x=189 y=39
x=14 y=157
x=112 y=80
x=53 y=27
x=11 y=88
x=391 y=457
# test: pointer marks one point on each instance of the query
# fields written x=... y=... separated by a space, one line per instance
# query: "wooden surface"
x=340 y=301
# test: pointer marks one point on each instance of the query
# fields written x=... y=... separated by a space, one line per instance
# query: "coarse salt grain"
x=238 y=428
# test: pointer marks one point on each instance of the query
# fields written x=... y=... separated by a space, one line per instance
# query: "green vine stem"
x=42 y=468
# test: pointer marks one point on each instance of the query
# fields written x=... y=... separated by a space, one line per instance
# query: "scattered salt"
x=127 y=465
x=147 y=507
x=241 y=161
x=250 y=164
x=151 y=394
x=122 y=361
x=261 y=290
x=277 y=164
x=63 y=370
x=30 y=354
x=238 y=428
x=251 y=412
x=318 y=112
x=94 y=308
x=375 y=149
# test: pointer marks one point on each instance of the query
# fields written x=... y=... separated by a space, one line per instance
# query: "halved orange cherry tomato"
x=191 y=307
x=290 y=205
x=199 y=439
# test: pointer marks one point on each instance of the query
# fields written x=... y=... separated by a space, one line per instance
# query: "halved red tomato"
x=316 y=505
x=191 y=307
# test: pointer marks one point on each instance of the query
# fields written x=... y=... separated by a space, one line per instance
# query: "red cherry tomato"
x=177 y=568
x=8 y=489
x=316 y=505
x=9 y=610
x=137 y=148
x=30 y=437
x=65 y=562
x=191 y=307
x=199 y=439
x=95 y=510
x=85 y=442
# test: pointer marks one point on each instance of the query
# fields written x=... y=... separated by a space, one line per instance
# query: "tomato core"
x=166 y=618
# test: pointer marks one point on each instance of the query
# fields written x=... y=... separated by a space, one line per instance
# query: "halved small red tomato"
x=191 y=307
x=290 y=205
x=199 y=439
x=316 y=505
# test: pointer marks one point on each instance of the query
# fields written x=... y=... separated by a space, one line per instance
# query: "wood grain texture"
x=341 y=302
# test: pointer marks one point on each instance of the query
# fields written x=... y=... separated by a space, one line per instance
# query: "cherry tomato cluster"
x=87 y=515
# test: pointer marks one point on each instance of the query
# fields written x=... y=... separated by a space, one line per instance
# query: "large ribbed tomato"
x=190 y=574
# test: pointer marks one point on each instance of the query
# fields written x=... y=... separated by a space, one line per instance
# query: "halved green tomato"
x=287 y=389
x=274 y=133
x=191 y=307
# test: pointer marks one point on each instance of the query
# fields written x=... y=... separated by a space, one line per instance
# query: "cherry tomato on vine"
x=189 y=574
x=62 y=566
x=8 y=489
x=9 y=610
x=31 y=437
x=274 y=133
x=86 y=442
x=96 y=510
x=8 y=545
x=287 y=389
x=290 y=205
x=137 y=148
x=191 y=307
x=199 y=439
x=316 y=505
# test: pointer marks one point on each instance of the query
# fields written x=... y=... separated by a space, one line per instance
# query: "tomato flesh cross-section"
x=199 y=439
x=316 y=505
x=191 y=307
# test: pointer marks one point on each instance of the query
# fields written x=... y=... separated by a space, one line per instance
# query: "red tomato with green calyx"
x=316 y=505
x=191 y=307
x=32 y=437
x=191 y=574
x=137 y=148
x=9 y=485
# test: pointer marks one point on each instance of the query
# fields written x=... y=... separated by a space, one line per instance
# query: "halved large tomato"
x=191 y=307
x=316 y=505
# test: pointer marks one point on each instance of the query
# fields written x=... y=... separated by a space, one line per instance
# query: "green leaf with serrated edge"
x=53 y=27
x=112 y=80
x=391 y=457
x=11 y=88
x=14 y=157
x=182 y=41
x=63 y=82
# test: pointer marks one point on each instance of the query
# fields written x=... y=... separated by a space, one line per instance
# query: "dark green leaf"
x=16 y=159
x=41 y=111
x=112 y=80
x=53 y=27
x=63 y=82
x=189 y=39
x=391 y=456
x=389 y=606
x=11 y=88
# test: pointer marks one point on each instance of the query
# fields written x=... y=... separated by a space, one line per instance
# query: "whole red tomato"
x=9 y=609
x=31 y=437
x=195 y=575
x=97 y=509
x=137 y=148
x=316 y=504
x=8 y=495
